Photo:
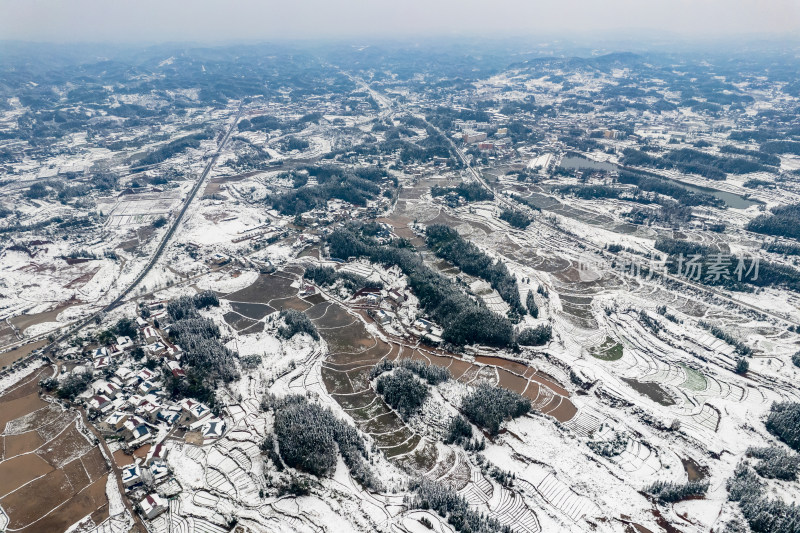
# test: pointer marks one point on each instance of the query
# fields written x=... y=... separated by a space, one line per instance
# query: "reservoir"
x=736 y=201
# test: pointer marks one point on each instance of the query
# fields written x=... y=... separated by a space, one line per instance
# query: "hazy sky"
x=213 y=21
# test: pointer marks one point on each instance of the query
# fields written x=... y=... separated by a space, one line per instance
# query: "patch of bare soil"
x=69 y=445
x=51 y=476
x=20 y=352
x=22 y=443
x=11 y=409
x=82 y=280
x=15 y=472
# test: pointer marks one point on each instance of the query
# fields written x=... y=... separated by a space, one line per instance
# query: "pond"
x=652 y=390
x=736 y=201
x=574 y=162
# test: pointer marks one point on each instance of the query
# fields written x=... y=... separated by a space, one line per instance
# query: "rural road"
x=165 y=240
x=589 y=244
x=153 y=259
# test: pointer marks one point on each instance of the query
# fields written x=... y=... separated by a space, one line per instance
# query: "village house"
x=307 y=290
x=381 y=316
x=131 y=475
x=146 y=387
x=136 y=430
x=395 y=296
x=108 y=389
x=100 y=352
x=134 y=400
x=115 y=421
x=152 y=505
x=169 y=416
x=139 y=436
x=173 y=351
x=150 y=335
x=175 y=369
x=423 y=325
x=155 y=348
x=158 y=453
x=159 y=470
x=124 y=343
x=148 y=410
x=146 y=374
x=114 y=350
x=126 y=376
x=100 y=403
x=212 y=428
x=194 y=410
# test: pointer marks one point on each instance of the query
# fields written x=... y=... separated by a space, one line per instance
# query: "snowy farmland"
x=261 y=289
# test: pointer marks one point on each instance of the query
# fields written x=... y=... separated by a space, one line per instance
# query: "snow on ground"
x=14 y=377
x=541 y=161
x=225 y=281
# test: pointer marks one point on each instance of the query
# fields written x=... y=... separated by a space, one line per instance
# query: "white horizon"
x=207 y=21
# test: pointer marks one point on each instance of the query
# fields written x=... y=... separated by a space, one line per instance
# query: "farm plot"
x=638 y=457
x=237 y=321
x=646 y=367
x=352 y=349
x=610 y=350
x=695 y=380
x=503 y=504
x=266 y=288
x=559 y=495
x=252 y=310
x=652 y=390
x=217 y=480
x=512 y=511
x=51 y=473
x=143 y=208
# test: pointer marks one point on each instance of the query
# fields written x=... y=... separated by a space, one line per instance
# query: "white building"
x=152 y=505
x=131 y=475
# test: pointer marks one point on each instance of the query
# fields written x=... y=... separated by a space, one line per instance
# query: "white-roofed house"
x=159 y=470
x=116 y=420
x=212 y=428
x=131 y=475
x=124 y=343
x=152 y=505
x=146 y=387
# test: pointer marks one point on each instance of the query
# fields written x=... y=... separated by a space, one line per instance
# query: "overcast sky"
x=264 y=20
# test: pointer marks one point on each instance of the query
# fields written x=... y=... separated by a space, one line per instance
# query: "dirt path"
x=116 y=472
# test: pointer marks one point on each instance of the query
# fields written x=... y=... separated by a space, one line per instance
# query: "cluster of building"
x=472 y=134
x=130 y=406
x=391 y=309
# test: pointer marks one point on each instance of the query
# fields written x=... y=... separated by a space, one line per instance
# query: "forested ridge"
x=308 y=437
x=488 y=406
x=784 y=221
x=205 y=359
x=465 y=320
x=715 y=167
x=448 y=244
x=770 y=274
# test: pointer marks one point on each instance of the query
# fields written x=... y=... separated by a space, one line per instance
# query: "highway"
x=156 y=255
x=167 y=236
